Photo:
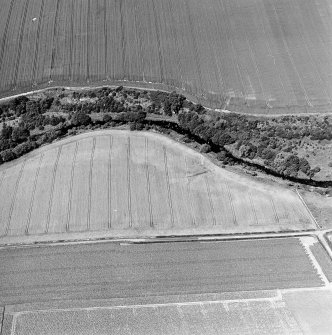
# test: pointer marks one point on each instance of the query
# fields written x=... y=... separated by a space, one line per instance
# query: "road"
x=110 y=270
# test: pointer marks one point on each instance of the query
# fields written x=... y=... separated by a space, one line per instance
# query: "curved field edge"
x=135 y=184
x=222 y=104
x=299 y=170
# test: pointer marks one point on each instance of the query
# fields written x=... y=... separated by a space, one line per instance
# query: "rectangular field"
x=85 y=271
x=273 y=53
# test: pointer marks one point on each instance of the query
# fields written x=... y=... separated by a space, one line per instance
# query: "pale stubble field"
x=141 y=184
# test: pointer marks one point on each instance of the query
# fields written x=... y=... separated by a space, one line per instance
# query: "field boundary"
x=143 y=85
x=307 y=208
x=162 y=238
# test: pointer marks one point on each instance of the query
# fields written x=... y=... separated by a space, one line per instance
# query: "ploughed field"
x=116 y=270
x=136 y=184
x=269 y=53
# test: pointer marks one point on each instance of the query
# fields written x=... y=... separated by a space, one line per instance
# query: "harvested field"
x=126 y=183
x=273 y=53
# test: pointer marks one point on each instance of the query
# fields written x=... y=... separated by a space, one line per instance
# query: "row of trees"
x=233 y=131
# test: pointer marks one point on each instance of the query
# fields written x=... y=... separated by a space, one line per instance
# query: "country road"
x=110 y=270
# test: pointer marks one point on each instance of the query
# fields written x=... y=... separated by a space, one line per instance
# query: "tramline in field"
x=138 y=184
x=267 y=53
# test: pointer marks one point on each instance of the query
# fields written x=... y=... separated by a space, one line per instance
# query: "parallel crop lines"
x=314 y=61
x=194 y=45
x=252 y=205
x=324 y=60
x=123 y=40
x=109 y=184
x=190 y=195
x=303 y=61
x=240 y=85
x=183 y=216
x=210 y=200
x=72 y=171
x=40 y=20
x=199 y=193
x=284 y=213
x=33 y=195
x=88 y=33
x=268 y=64
x=4 y=38
x=129 y=185
x=288 y=95
x=23 y=197
x=105 y=39
x=2 y=204
x=120 y=183
x=169 y=194
x=276 y=52
x=52 y=190
x=231 y=203
x=146 y=147
x=253 y=58
x=158 y=186
x=3 y=173
x=14 y=197
x=276 y=217
x=289 y=59
x=20 y=43
x=90 y=183
x=55 y=27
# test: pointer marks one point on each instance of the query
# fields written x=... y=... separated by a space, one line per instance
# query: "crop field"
x=200 y=317
x=254 y=286
x=136 y=183
x=297 y=312
x=271 y=53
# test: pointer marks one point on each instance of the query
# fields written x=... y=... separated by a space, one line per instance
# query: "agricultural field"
x=136 y=183
x=261 y=54
x=255 y=286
